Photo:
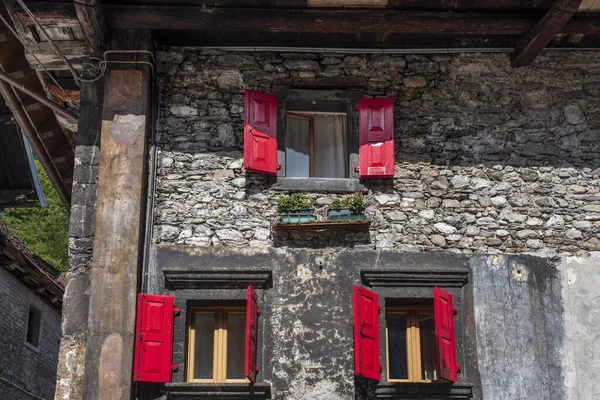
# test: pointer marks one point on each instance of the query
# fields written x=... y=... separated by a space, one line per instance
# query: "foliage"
x=295 y=201
x=356 y=203
x=44 y=230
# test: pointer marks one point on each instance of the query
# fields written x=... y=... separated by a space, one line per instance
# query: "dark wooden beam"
x=91 y=20
x=332 y=21
x=543 y=32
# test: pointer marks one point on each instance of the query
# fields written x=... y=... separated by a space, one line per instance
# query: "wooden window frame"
x=220 y=343
x=413 y=342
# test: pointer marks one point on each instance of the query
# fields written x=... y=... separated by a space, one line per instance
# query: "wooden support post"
x=543 y=32
x=119 y=222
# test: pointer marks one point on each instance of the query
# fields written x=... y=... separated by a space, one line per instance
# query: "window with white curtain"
x=316 y=144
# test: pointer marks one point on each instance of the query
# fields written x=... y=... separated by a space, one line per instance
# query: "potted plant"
x=296 y=208
x=348 y=209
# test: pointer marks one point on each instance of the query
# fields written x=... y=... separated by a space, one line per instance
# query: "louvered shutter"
x=443 y=312
x=376 y=137
x=252 y=311
x=153 y=338
x=260 y=132
x=366 y=334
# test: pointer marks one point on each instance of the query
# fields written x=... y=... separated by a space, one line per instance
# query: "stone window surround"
x=418 y=283
x=192 y=287
x=327 y=100
x=40 y=328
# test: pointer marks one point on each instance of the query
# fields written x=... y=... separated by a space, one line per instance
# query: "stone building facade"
x=30 y=324
x=495 y=197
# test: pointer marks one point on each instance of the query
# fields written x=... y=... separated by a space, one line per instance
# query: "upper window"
x=317 y=141
x=34 y=322
x=316 y=144
x=410 y=344
x=216 y=344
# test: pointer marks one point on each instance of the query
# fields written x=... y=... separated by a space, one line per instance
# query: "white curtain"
x=330 y=146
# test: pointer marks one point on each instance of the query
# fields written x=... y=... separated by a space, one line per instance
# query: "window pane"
x=236 y=335
x=331 y=146
x=428 y=347
x=204 y=345
x=297 y=143
x=397 y=357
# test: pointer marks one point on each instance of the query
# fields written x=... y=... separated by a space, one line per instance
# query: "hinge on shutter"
x=455 y=310
x=257 y=310
x=174 y=367
x=356 y=168
x=177 y=311
x=458 y=369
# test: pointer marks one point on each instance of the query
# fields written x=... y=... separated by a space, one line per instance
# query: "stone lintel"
x=229 y=391
x=424 y=391
x=192 y=278
x=415 y=277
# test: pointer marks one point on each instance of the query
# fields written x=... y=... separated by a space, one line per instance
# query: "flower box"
x=298 y=216
x=344 y=214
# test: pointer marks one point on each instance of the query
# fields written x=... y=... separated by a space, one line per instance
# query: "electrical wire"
x=16 y=35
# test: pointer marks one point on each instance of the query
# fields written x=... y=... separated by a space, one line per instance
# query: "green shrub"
x=356 y=203
x=295 y=201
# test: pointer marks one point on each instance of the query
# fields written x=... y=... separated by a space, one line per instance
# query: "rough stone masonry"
x=489 y=159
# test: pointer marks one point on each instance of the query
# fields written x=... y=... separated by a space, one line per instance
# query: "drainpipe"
x=23 y=120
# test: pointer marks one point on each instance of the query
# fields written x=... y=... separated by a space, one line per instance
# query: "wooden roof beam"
x=91 y=20
x=543 y=32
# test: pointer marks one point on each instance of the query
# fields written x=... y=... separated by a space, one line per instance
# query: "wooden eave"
x=17 y=259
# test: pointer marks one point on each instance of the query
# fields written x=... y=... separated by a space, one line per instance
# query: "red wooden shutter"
x=153 y=338
x=376 y=137
x=366 y=334
x=260 y=132
x=443 y=314
x=252 y=311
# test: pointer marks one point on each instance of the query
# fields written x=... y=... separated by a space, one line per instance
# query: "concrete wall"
x=29 y=369
x=581 y=295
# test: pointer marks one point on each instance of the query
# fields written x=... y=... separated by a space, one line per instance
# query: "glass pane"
x=331 y=146
x=204 y=345
x=236 y=335
x=428 y=347
x=297 y=145
x=397 y=357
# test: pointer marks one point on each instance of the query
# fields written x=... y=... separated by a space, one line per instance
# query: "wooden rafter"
x=91 y=20
x=543 y=32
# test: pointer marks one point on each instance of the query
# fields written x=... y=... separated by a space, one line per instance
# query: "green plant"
x=44 y=230
x=295 y=201
x=338 y=204
x=356 y=204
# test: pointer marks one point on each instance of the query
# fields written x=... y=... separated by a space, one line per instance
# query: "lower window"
x=410 y=344
x=216 y=344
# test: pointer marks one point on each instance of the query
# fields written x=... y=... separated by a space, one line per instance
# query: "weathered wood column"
x=119 y=220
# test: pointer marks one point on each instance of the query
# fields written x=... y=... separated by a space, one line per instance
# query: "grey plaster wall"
x=306 y=322
x=581 y=293
x=489 y=159
x=27 y=368
x=519 y=318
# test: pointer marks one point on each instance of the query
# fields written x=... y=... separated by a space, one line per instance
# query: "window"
x=317 y=141
x=316 y=144
x=217 y=344
x=420 y=343
x=410 y=344
x=34 y=321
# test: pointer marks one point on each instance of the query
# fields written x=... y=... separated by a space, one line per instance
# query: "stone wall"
x=26 y=368
x=488 y=158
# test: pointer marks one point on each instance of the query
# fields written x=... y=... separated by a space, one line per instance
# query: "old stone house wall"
x=495 y=163
x=488 y=158
x=33 y=370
